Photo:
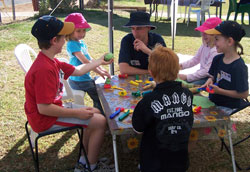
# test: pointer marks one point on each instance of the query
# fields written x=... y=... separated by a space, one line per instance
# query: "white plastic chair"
x=203 y=6
x=68 y=92
x=23 y=54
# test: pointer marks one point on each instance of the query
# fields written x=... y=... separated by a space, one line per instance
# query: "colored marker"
x=116 y=113
x=146 y=92
x=208 y=89
x=107 y=86
x=123 y=76
x=123 y=116
x=136 y=77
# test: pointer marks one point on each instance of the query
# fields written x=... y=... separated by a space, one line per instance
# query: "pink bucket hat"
x=209 y=24
x=78 y=20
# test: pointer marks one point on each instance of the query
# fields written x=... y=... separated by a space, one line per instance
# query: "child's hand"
x=215 y=88
x=86 y=112
x=104 y=73
x=182 y=77
x=208 y=83
x=180 y=66
x=95 y=110
x=103 y=62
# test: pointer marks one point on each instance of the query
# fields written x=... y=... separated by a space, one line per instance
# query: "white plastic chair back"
x=205 y=5
x=68 y=92
x=23 y=54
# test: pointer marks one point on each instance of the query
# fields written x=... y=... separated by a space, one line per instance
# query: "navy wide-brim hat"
x=140 y=19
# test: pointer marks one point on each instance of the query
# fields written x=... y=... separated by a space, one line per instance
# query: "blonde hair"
x=69 y=37
x=163 y=64
x=239 y=46
x=212 y=41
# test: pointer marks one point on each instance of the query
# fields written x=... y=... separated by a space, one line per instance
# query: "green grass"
x=15 y=155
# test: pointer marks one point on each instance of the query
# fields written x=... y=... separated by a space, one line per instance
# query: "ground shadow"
x=49 y=160
x=206 y=157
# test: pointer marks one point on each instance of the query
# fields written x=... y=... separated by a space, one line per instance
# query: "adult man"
x=136 y=46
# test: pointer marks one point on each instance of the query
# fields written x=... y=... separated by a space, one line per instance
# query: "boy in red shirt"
x=43 y=90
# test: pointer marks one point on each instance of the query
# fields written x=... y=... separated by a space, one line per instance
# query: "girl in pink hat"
x=78 y=53
x=204 y=56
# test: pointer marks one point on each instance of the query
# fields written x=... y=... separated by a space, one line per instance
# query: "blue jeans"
x=90 y=88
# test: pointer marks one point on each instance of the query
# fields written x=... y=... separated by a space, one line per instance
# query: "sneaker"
x=104 y=160
x=79 y=167
x=82 y=168
x=102 y=167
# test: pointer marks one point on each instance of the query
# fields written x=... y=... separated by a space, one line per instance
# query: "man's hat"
x=47 y=27
x=229 y=29
x=140 y=19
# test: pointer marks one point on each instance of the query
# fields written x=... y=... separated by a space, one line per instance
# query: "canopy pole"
x=13 y=9
x=174 y=24
x=111 y=28
x=174 y=8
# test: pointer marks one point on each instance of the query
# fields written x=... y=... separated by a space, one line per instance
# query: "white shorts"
x=63 y=122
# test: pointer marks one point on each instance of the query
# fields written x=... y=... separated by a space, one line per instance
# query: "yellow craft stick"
x=115 y=87
x=134 y=83
x=152 y=84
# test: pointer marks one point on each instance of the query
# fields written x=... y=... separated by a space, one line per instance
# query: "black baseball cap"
x=229 y=29
x=47 y=27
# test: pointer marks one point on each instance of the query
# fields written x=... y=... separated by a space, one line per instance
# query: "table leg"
x=115 y=153
x=231 y=149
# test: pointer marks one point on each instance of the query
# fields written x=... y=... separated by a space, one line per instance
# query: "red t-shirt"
x=43 y=86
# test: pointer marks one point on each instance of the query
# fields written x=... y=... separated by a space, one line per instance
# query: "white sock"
x=82 y=160
x=93 y=166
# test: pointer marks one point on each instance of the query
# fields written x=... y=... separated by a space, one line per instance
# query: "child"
x=204 y=56
x=164 y=116
x=78 y=53
x=228 y=70
x=43 y=105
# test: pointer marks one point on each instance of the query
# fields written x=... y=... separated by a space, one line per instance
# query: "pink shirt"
x=204 y=56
